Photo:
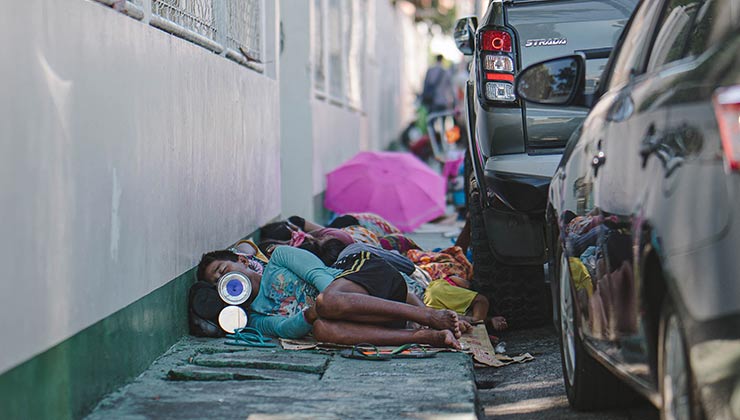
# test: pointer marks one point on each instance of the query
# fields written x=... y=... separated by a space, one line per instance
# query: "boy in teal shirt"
x=359 y=299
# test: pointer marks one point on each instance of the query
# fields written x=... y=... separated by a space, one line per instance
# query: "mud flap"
x=516 y=238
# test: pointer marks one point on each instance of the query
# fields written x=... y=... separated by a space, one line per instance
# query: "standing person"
x=437 y=94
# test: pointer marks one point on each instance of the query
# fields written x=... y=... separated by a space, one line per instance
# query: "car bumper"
x=525 y=164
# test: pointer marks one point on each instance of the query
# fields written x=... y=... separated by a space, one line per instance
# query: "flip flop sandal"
x=365 y=351
x=411 y=351
x=249 y=337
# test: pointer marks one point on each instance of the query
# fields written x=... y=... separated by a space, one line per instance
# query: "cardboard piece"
x=482 y=350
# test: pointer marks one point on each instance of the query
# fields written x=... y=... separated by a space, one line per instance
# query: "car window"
x=633 y=48
x=674 y=31
x=713 y=20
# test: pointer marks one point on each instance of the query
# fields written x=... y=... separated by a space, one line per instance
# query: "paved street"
x=535 y=389
x=529 y=390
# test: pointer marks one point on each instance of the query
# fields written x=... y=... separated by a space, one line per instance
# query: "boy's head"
x=278 y=230
x=215 y=264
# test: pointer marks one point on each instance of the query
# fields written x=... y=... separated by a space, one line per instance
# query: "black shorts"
x=374 y=274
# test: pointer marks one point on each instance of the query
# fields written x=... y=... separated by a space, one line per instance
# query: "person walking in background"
x=437 y=94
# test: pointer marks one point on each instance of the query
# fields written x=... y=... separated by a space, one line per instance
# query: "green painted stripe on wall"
x=67 y=380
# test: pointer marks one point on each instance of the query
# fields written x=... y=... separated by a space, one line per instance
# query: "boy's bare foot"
x=444 y=319
x=499 y=323
x=464 y=326
x=437 y=338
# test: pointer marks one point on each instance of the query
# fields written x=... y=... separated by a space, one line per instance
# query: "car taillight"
x=497 y=65
x=727 y=111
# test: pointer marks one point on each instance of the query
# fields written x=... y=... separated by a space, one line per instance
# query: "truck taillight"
x=496 y=41
x=727 y=111
x=500 y=91
x=496 y=63
x=499 y=63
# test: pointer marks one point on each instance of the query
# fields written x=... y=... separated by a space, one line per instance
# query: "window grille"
x=355 y=65
x=336 y=52
x=339 y=31
x=348 y=23
x=195 y=15
x=243 y=27
x=318 y=47
x=232 y=28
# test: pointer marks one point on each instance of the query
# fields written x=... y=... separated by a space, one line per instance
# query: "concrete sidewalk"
x=204 y=378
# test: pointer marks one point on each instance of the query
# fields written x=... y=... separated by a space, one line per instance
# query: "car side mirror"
x=558 y=81
x=465 y=34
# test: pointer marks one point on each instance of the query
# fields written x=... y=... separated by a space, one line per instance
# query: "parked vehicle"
x=642 y=210
x=514 y=147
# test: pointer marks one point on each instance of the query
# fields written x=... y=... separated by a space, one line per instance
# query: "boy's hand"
x=461 y=282
x=310 y=314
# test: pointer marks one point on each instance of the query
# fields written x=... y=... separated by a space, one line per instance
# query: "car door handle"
x=597 y=161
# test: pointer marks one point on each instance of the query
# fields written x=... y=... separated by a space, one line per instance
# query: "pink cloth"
x=452 y=167
x=297 y=238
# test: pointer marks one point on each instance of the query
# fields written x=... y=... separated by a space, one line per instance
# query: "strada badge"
x=545 y=42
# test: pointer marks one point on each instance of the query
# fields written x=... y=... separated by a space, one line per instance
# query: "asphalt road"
x=535 y=390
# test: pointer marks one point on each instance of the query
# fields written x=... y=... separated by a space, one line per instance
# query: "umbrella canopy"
x=397 y=186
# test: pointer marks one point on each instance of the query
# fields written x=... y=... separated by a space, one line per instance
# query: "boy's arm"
x=304 y=264
x=460 y=282
x=295 y=326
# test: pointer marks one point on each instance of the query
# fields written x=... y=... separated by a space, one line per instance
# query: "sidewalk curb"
x=276 y=383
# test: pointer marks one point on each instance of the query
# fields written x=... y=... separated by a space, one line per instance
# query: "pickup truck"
x=514 y=147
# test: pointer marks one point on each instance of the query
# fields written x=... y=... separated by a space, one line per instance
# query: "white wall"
x=394 y=52
x=126 y=153
x=295 y=113
x=338 y=134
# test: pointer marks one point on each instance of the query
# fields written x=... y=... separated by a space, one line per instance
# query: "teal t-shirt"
x=290 y=283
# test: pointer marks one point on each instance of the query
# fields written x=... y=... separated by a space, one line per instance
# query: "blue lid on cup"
x=234 y=288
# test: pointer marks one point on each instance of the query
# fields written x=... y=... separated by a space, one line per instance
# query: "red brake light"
x=496 y=41
x=500 y=77
x=727 y=111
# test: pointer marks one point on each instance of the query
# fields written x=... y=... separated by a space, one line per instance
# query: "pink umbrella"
x=397 y=186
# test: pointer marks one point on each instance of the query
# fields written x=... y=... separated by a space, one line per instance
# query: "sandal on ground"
x=365 y=351
x=411 y=351
x=249 y=337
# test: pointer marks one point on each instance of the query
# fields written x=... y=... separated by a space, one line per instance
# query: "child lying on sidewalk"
x=470 y=305
x=359 y=299
x=450 y=288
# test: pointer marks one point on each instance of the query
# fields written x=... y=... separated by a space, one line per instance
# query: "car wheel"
x=516 y=292
x=588 y=384
x=677 y=387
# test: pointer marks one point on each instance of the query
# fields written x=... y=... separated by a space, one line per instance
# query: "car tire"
x=678 y=389
x=515 y=292
x=588 y=385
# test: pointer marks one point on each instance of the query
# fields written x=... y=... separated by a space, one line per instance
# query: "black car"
x=515 y=147
x=642 y=210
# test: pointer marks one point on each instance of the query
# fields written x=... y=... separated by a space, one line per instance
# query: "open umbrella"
x=397 y=186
